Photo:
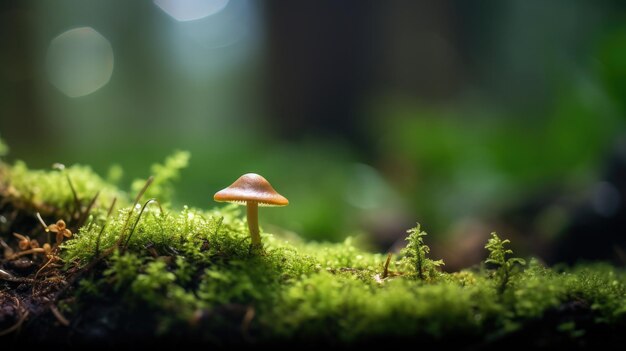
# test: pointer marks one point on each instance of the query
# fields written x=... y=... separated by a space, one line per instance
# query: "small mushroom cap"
x=251 y=187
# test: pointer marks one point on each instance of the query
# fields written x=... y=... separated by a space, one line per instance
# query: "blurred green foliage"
x=4 y=149
x=471 y=160
x=610 y=65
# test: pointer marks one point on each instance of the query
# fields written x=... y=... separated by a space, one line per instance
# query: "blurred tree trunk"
x=19 y=63
x=325 y=59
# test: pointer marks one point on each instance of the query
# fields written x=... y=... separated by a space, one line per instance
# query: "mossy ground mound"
x=147 y=271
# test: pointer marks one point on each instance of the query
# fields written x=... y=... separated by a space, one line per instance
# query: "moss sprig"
x=506 y=267
x=416 y=255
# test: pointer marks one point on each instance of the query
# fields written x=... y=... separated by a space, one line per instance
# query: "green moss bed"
x=138 y=270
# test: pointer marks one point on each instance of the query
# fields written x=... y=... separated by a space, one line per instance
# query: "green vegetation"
x=415 y=255
x=49 y=192
x=189 y=273
x=3 y=148
x=506 y=265
x=164 y=174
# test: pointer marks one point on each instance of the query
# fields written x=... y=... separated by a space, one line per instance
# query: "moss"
x=331 y=291
x=507 y=267
x=62 y=191
x=164 y=176
x=49 y=191
x=189 y=272
x=415 y=254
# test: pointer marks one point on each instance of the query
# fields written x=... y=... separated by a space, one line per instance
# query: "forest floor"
x=84 y=262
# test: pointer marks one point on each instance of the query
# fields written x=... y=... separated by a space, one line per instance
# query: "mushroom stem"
x=253 y=223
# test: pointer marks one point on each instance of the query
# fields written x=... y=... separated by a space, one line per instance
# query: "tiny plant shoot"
x=506 y=267
x=415 y=255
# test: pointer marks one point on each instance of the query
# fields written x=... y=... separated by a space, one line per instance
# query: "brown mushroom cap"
x=251 y=187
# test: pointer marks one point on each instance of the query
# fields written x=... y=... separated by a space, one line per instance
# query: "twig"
x=16 y=325
x=130 y=213
x=8 y=251
x=104 y=226
x=4 y=275
x=132 y=230
x=346 y=269
x=55 y=311
x=84 y=214
x=27 y=252
x=77 y=206
x=386 y=269
x=42 y=267
x=44 y=225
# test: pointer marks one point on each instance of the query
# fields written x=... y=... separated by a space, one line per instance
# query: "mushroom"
x=253 y=191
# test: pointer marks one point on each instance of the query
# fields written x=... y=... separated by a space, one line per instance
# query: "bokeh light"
x=79 y=61
x=213 y=45
x=368 y=189
x=189 y=10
